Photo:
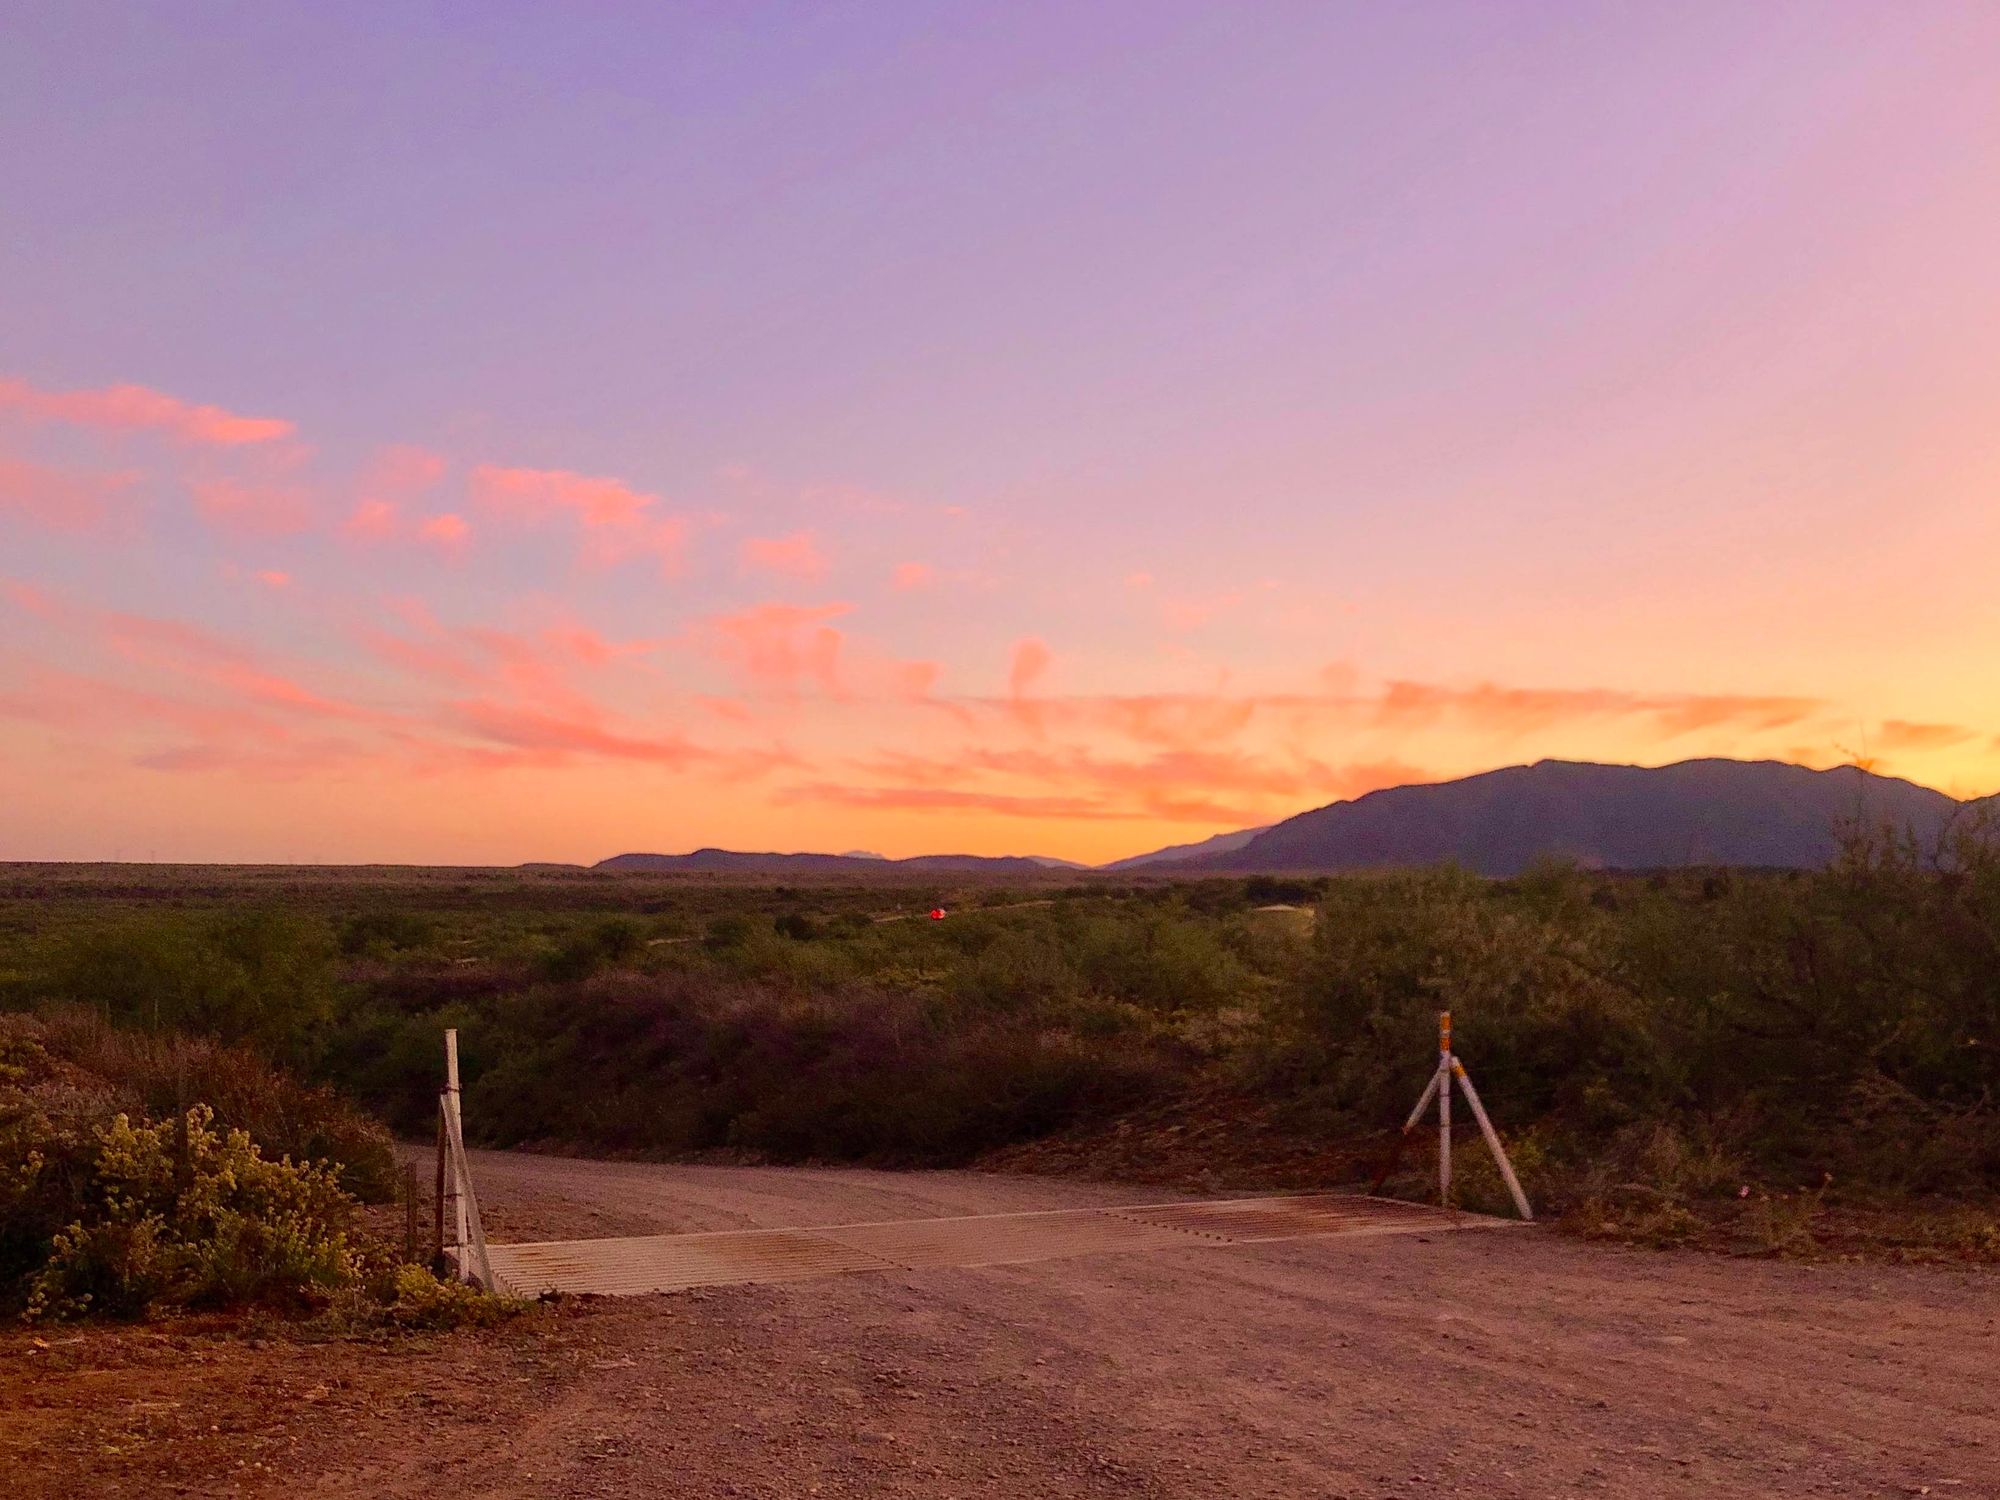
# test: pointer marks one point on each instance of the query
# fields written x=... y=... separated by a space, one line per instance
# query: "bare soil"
x=1491 y=1364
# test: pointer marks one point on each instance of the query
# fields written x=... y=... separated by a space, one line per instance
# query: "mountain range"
x=1767 y=814
x=1697 y=812
x=734 y=862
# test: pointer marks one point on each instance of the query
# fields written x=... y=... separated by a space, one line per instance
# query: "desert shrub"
x=253 y=975
x=797 y=926
x=614 y=940
x=1018 y=968
x=182 y=1214
x=419 y=1300
x=1793 y=1030
x=688 y=1062
x=106 y=1212
x=1166 y=960
x=385 y=931
x=161 y=1076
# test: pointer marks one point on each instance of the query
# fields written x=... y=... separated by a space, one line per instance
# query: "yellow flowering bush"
x=182 y=1214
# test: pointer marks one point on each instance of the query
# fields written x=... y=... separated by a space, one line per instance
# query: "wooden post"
x=473 y=1263
x=454 y=1130
x=1444 y=1108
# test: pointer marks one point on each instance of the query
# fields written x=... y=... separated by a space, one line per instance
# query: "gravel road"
x=1505 y=1364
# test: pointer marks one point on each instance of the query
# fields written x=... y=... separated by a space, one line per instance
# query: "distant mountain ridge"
x=734 y=862
x=1724 y=812
x=1179 y=854
x=1696 y=812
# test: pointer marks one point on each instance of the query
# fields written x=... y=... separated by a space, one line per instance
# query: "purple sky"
x=1235 y=353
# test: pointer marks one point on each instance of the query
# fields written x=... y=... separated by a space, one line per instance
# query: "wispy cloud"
x=616 y=522
x=779 y=647
x=64 y=499
x=136 y=408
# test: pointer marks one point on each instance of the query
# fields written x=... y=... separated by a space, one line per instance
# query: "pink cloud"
x=617 y=521
x=402 y=470
x=913 y=575
x=252 y=509
x=1030 y=663
x=778 y=647
x=273 y=578
x=29 y=599
x=536 y=495
x=373 y=520
x=946 y=799
x=796 y=556
x=134 y=407
x=528 y=729
x=62 y=500
x=916 y=679
x=447 y=531
x=81 y=704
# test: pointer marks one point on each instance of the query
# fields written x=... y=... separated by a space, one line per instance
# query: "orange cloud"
x=134 y=407
x=796 y=556
x=1518 y=710
x=938 y=799
x=913 y=575
x=1176 y=786
x=1901 y=734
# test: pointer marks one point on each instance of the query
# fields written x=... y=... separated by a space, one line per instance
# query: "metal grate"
x=672 y=1262
x=1244 y=1221
x=1005 y=1239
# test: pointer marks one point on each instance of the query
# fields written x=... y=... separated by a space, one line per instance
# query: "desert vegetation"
x=1767 y=1061
x=145 y=1172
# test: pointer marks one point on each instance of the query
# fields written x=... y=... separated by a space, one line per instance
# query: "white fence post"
x=1444 y=1108
x=1492 y=1140
x=1448 y=1068
x=454 y=1127
x=471 y=1258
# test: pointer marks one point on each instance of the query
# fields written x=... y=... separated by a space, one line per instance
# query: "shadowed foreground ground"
x=1503 y=1364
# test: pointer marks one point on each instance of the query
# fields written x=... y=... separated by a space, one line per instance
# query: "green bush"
x=257 y=975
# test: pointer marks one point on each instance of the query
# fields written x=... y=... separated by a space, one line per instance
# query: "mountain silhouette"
x=734 y=862
x=1698 y=812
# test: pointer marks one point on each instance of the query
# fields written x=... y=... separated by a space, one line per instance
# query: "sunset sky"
x=481 y=433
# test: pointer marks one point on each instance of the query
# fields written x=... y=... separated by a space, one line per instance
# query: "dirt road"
x=1490 y=1364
